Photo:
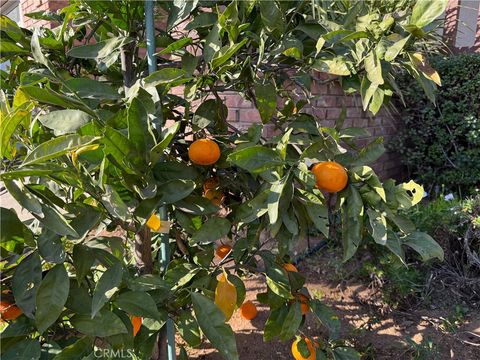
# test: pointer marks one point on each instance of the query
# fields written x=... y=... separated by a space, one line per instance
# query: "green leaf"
x=114 y=203
x=277 y=280
x=426 y=11
x=378 y=223
x=53 y=220
x=370 y=153
x=50 y=247
x=273 y=200
x=196 y=205
x=106 y=287
x=425 y=245
x=51 y=297
x=138 y=127
x=83 y=260
x=104 y=324
x=266 y=100
x=176 y=45
x=188 y=328
x=26 y=280
x=202 y=20
x=9 y=124
x=272 y=16
x=76 y=351
x=226 y=53
x=138 y=303
x=28 y=349
x=255 y=159
x=64 y=121
x=99 y=50
x=274 y=323
x=175 y=190
x=48 y=96
x=164 y=76
x=292 y=322
x=373 y=68
x=393 y=51
x=180 y=10
x=335 y=66
x=13 y=233
x=167 y=136
x=352 y=223
x=327 y=317
x=345 y=353
x=57 y=147
x=210 y=112
x=212 y=322
x=213 y=42
x=319 y=216
x=92 y=89
x=121 y=149
x=395 y=246
x=213 y=229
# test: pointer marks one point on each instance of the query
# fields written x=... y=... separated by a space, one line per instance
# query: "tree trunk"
x=143 y=251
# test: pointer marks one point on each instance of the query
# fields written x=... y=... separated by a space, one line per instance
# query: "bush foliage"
x=440 y=142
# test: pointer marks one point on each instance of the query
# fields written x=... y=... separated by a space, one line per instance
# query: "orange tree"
x=92 y=147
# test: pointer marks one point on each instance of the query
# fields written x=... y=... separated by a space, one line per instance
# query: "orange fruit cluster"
x=204 y=152
x=9 y=311
x=330 y=176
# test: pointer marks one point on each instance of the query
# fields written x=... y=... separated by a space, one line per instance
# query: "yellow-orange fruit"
x=290 y=267
x=225 y=296
x=9 y=311
x=223 y=251
x=248 y=310
x=296 y=354
x=330 y=176
x=303 y=303
x=153 y=222
x=215 y=196
x=204 y=152
x=136 y=323
x=211 y=183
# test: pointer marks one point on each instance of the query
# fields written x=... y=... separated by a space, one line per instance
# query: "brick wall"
x=326 y=104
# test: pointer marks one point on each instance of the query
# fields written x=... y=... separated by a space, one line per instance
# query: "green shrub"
x=440 y=144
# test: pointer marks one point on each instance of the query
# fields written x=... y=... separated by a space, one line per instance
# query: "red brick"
x=333 y=113
x=249 y=115
x=335 y=89
x=318 y=88
x=355 y=112
x=326 y=101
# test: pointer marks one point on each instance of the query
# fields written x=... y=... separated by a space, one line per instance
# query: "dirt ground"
x=376 y=332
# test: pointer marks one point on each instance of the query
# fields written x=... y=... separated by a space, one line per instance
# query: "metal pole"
x=162 y=211
x=150 y=33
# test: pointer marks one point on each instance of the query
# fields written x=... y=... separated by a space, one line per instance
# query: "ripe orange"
x=204 y=152
x=303 y=303
x=296 y=354
x=215 y=196
x=290 y=267
x=136 y=323
x=9 y=311
x=225 y=296
x=211 y=183
x=153 y=222
x=330 y=176
x=248 y=310
x=223 y=251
